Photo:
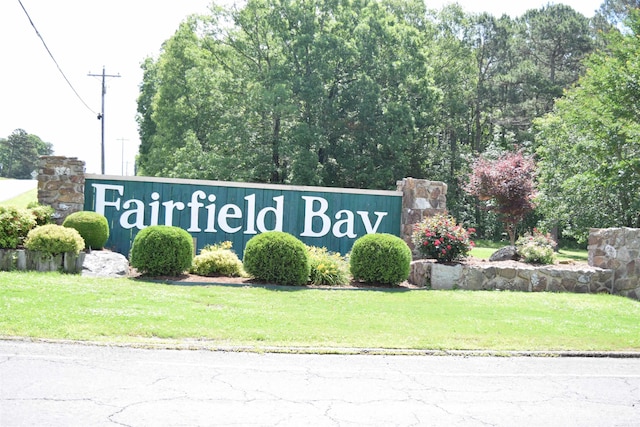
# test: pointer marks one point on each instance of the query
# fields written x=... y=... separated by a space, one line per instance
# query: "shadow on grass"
x=186 y=280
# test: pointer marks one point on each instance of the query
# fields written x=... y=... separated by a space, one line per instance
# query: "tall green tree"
x=589 y=149
x=353 y=93
x=550 y=45
x=306 y=92
x=19 y=154
x=616 y=12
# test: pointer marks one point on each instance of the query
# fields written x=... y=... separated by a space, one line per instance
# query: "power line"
x=54 y=59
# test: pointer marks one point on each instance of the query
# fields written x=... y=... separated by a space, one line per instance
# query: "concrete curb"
x=201 y=345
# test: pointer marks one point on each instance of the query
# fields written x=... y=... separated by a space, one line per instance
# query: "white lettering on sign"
x=342 y=228
x=231 y=218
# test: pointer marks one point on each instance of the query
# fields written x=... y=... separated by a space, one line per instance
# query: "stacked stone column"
x=61 y=185
x=421 y=198
x=618 y=249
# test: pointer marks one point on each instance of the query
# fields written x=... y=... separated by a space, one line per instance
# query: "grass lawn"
x=22 y=200
x=52 y=305
x=485 y=248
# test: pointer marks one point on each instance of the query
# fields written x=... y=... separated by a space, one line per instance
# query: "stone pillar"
x=61 y=185
x=618 y=249
x=421 y=198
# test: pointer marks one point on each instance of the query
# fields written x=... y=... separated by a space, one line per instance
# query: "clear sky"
x=84 y=36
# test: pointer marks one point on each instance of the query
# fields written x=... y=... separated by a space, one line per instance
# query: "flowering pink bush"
x=439 y=237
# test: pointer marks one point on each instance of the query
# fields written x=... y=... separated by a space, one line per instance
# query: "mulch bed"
x=192 y=279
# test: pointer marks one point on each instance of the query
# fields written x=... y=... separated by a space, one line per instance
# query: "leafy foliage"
x=217 y=260
x=277 y=257
x=92 y=226
x=161 y=250
x=507 y=183
x=352 y=93
x=290 y=92
x=43 y=214
x=15 y=224
x=588 y=146
x=536 y=248
x=54 y=239
x=440 y=238
x=19 y=154
x=380 y=258
x=327 y=268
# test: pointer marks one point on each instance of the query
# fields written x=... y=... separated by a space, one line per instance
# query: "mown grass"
x=23 y=200
x=51 y=305
x=485 y=248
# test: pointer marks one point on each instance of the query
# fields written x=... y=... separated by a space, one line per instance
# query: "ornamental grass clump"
x=440 y=238
x=218 y=260
x=327 y=268
x=536 y=248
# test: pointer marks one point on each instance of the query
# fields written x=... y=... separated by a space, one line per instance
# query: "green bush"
x=277 y=257
x=327 y=268
x=162 y=250
x=54 y=239
x=42 y=213
x=536 y=248
x=380 y=258
x=92 y=226
x=15 y=224
x=217 y=260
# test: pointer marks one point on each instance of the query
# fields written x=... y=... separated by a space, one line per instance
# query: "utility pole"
x=122 y=140
x=101 y=115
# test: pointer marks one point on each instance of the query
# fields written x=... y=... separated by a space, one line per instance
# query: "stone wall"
x=618 y=249
x=61 y=185
x=512 y=276
x=614 y=267
x=420 y=199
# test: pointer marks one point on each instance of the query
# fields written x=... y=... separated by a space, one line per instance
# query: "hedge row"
x=274 y=257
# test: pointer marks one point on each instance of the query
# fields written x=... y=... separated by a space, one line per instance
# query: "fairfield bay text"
x=205 y=215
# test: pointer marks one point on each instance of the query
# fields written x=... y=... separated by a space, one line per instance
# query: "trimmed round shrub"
x=54 y=239
x=277 y=257
x=162 y=250
x=217 y=260
x=15 y=224
x=380 y=258
x=92 y=226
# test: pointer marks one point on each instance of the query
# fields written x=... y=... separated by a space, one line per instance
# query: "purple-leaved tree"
x=506 y=186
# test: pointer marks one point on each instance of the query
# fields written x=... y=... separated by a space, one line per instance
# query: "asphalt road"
x=10 y=188
x=78 y=385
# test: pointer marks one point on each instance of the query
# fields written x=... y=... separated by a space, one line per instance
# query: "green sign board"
x=214 y=211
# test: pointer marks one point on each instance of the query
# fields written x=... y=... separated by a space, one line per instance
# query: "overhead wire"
x=54 y=59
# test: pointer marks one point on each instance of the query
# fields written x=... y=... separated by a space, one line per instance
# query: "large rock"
x=105 y=264
x=508 y=253
x=445 y=277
